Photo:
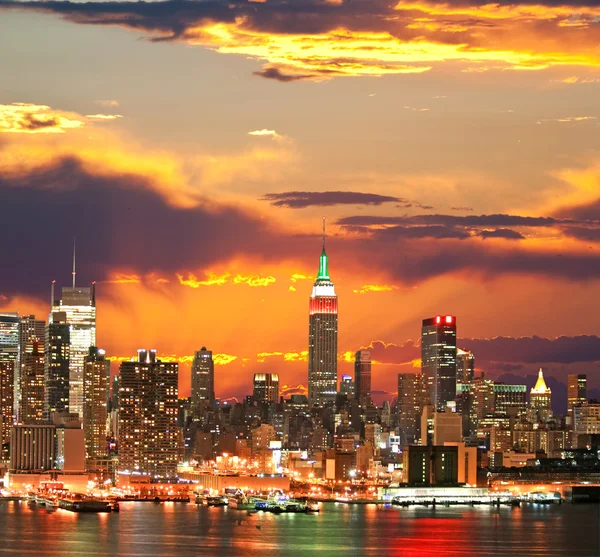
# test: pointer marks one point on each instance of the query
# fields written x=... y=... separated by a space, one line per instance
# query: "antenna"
x=74 y=272
x=52 y=295
x=323 y=233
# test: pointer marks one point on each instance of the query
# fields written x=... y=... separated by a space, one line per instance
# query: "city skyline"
x=468 y=187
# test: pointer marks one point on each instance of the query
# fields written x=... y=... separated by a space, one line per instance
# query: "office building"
x=79 y=305
x=322 y=336
x=447 y=427
x=9 y=350
x=30 y=409
x=33 y=448
x=510 y=399
x=576 y=390
x=483 y=397
x=540 y=399
x=30 y=330
x=266 y=387
x=409 y=404
x=465 y=366
x=438 y=359
x=430 y=465
x=148 y=404
x=586 y=418
x=203 y=381
x=362 y=376
x=56 y=364
x=96 y=377
x=347 y=386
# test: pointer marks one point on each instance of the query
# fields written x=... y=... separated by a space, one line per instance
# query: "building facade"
x=148 y=404
x=96 y=378
x=79 y=306
x=362 y=376
x=438 y=359
x=203 y=380
x=576 y=390
x=322 y=337
x=266 y=387
x=540 y=399
x=9 y=350
x=409 y=405
x=30 y=330
x=30 y=409
x=465 y=366
x=56 y=364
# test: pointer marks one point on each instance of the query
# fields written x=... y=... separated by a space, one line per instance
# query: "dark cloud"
x=415 y=232
x=500 y=220
x=506 y=233
x=461 y=208
x=582 y=233
x=32 y=122
x=534 y=349
x=303 y=199
x=584 y=212
x=273 y=72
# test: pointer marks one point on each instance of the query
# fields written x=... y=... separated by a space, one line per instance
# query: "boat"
x=81 y=504
x=40 y=499
x=211 y=500
x=51 y=502
x=242 y=503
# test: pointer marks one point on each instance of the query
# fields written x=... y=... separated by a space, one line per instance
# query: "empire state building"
x=322 y=336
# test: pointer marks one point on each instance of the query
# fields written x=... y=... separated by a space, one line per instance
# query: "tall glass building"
x=322 y=337
x=203 y=381
x=438 y=359
x=31 y=356
x=79 y=305
x=9 y=350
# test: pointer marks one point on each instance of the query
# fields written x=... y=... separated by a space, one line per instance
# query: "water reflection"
x=147 y=529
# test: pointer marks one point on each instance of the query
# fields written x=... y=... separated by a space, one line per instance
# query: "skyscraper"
x=79 y=305
x=577 y=390
x=540 y=398
x=409 y=405
x=203 y=380
x=96 y=377
x=362 y=375
x=465 y=366
x=438 y=359
x=347 y=386
x=31 y=404
x=56 y=364
x=266 y=387
x=9 y=349
x=148 y=404
x=30 y=330
x=322 y=336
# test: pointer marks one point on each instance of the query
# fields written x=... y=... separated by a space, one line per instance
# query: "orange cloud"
x=296 y=356
x=374 y=288
x=262 y=356
x=211 y=280
x=254 y=280
x=35 y=119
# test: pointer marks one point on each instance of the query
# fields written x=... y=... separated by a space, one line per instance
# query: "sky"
x=193 y=148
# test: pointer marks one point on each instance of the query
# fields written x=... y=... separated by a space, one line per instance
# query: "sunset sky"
x=194 y=147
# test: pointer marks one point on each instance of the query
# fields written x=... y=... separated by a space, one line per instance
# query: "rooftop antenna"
x=52 y=295
x=323 y=233
x=74 y=272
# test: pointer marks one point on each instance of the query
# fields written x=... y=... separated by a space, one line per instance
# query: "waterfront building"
x=56 y=364
x=576 y=390
x=510 y=398
x=438 y=359
x=78 y=303
x=266 y=387
x=9 y=350
x=33 y=447
x=30 y=330
x=96 y=377
x=465 y=366
x=203 y=381
x=540 y=399
x=362 y=376
x=447 y=427
x=430 y=465
x=148 y=404
x=322 y=336
x=408 y=406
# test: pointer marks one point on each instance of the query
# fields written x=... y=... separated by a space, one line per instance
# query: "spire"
x=323 y=261
x=74 y=272
x=540 y=385
x=52 y=295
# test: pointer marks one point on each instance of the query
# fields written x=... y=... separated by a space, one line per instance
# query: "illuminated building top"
x=323 y=286
x=540 y=387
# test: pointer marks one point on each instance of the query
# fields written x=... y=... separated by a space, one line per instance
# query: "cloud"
x=567 y=119
x=303 y=199
x=316 y=40
x=32 y=119
x=254 y=280
x=417 y=109
x=265 y=133
x=374 y=288
x=414 y=232
x=104 y=116
x=211 y=280
x=299 y=276
x=505 y=233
